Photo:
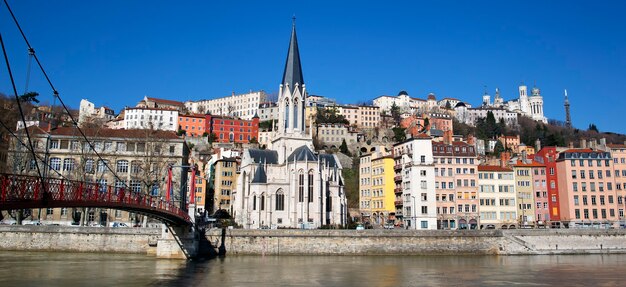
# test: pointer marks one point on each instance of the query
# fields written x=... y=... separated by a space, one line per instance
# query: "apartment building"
x=497 y=197
x=456 y=185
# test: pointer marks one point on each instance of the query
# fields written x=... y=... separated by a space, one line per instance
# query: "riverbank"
x=324 y=242
x=413 y=242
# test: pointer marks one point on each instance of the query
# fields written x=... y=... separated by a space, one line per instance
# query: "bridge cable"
x=19 y=105
x=56 y=94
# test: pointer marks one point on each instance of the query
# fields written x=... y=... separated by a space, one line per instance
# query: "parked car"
x=118 y=224
x=389 y=225
x=360 y=227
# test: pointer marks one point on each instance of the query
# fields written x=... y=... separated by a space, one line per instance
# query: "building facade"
x=548 y=157
x=228 y=129
x=587 y=190
x=416 y=178
x=243 y=106
x=618 y=152
x=193 y=124
x=456 y=184
x=151 y=118
x=497 y=197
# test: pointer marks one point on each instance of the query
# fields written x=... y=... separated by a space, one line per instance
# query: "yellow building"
x=376 y=188
x=225 y=182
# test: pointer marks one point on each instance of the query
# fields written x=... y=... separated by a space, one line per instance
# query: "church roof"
x=259 y=175
x=264 y=156
x=293 y=69
x=329 y=159
x=302 y=153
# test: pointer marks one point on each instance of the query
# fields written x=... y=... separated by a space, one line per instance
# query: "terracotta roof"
x=531 y=164
x=109 y=133
x=167 y=102
x=493 y=168
x=152 y=109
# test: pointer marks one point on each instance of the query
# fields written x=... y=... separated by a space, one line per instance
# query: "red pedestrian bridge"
x=26 y=192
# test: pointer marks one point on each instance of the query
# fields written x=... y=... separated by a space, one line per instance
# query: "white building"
x=332 y=135
x=417 y=181
x=268 y=111
x=243 y=106
x=288 y=185
x=471 y=115
x=150 y=118
x=89 y=112
x=408 y=106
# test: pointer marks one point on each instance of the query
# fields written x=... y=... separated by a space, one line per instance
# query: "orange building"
x=193 y=124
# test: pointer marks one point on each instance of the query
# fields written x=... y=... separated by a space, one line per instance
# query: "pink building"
x=456 y=185
x=587 y=189
x=539 y=190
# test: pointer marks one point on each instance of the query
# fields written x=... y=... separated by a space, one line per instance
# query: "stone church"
x=289 y=185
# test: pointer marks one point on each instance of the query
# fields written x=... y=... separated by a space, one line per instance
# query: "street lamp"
x=414 y=213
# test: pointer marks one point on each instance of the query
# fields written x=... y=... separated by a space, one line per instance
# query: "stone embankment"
x=407 y=242
x=323 y=242
x=79 y=239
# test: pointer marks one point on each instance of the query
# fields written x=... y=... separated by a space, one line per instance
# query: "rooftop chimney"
x=504 y=158
x=470 y=140
x=583 y=143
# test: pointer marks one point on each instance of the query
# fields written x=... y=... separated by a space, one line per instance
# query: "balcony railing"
x=397 y=178
x=397 y=190
x=398 y=202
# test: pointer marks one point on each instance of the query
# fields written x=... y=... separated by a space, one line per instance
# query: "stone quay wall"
x=431 y=242
x=323 y=242
x=79 y=239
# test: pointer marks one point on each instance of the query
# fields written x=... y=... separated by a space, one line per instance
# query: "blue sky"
x=115 y=52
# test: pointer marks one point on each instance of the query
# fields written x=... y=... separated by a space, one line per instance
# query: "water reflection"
x=56 y=269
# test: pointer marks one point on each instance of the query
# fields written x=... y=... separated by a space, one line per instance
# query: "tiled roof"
x=531 y=164
x=109 y=133
x=578 y=150
x=167 y=102
x=493 y=168
x=616 y=146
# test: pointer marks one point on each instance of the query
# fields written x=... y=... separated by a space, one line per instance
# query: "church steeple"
x=293 y=69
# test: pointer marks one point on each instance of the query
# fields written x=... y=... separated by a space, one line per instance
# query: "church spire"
x=293 y=69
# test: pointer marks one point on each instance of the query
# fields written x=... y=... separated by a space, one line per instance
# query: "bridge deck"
x=22 y=192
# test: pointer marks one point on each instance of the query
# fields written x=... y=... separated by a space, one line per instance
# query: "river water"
x=63 y=269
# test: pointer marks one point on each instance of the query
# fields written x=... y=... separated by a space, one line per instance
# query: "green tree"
x=448 y=105
x=212 y=137
x=498 y=148
x=253 y=140
x=29 y=97
x=399 y=134
x=395 y=114
x=343 y=148
x=593 y=127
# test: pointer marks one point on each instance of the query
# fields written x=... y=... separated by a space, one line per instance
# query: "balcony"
x=397 y=190
x=397 y=178
x=398 y=203
x=397 y=167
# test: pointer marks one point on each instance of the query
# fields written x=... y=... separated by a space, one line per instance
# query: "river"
x=81 y=269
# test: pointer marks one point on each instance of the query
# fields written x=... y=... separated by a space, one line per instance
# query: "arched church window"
x=280 y=200
x=301 y=186
x=287 y=105
x=262 y=201
x=310 y=193
x=254 y=202
x=295 y=113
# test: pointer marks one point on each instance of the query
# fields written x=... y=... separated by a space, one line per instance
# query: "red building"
x=548 y=157
x=228 y=129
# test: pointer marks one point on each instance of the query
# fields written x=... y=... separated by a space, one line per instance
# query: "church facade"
x=289 y=185
x=530 y=106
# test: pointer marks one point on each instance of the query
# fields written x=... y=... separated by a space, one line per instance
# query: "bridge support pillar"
x=177 y=242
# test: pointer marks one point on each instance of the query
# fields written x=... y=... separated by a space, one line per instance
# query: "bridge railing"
x=22 y=188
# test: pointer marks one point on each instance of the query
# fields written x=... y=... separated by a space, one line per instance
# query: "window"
x=135 y=185
x=102 y=165
x=301 y=187
x=424 y=224
x=68 y=164
x=280 y=200
x=55 y=163
x=424 y=209
x=310 y=192
x=135 y=166
x=89 y=168
x=122 y=166
x=262 y=201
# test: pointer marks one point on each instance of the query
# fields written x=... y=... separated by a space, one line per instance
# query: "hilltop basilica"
x=531 y=107
x=288 y=184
